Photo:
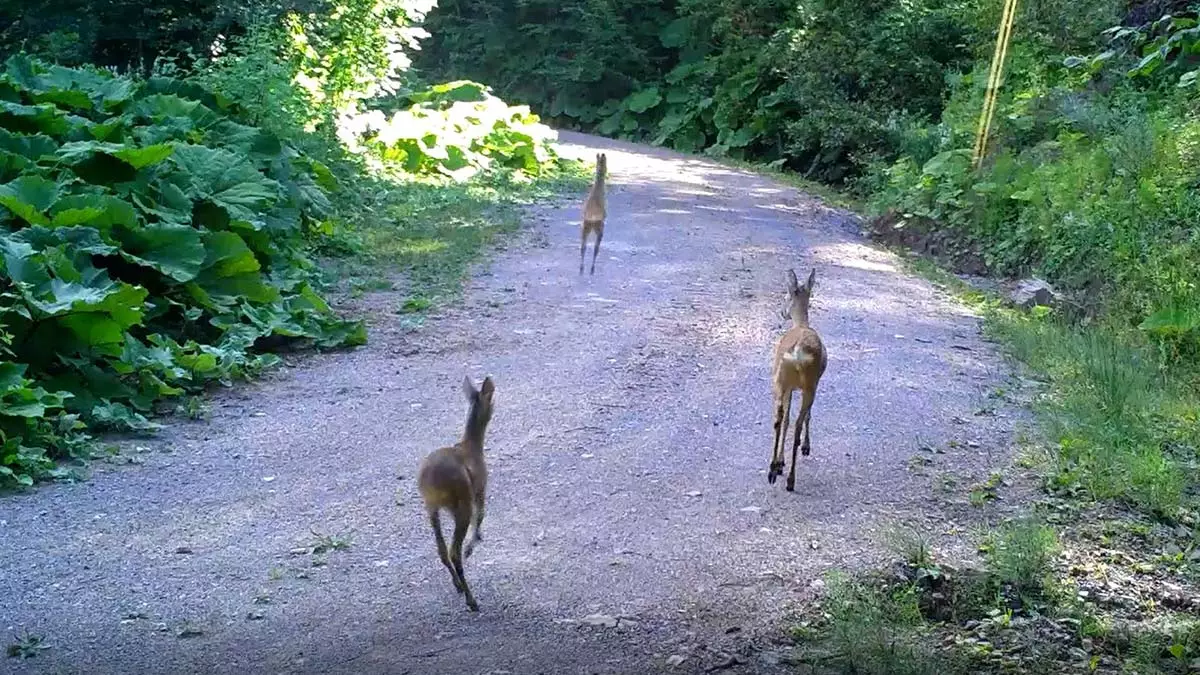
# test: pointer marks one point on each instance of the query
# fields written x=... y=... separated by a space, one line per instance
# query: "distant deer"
x=594 y=213
x=799 y=364
x=455 y=478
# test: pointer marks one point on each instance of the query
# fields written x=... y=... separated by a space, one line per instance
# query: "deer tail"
x=799 y=356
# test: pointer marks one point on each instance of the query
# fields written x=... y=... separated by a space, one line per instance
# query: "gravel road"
x=630 y=525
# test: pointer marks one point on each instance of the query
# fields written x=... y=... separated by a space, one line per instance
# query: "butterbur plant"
x=150 y=244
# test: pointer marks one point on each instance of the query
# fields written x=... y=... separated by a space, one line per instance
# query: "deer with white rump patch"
x=799 y=364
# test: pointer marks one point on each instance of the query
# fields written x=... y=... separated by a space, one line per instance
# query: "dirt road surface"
x=630 y=526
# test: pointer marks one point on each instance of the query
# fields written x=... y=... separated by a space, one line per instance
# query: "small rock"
x=600 y=620
x=182 y=550
x=750 y=509
x=1032 y=292
x=693 y=493
x=675 y=660
x=255 y=615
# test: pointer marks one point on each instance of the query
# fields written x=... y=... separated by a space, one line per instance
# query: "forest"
x=184 y=186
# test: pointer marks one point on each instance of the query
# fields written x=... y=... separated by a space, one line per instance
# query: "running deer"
x=594 y=213
x=799 y=364
x=455 y=478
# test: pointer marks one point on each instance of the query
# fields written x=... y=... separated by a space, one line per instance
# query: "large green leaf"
x=42 y=118
x=227 y=180
x=174 y=250
x=99 y=211
x=135 y=157
x=70 y=87
x=176 y=111
x=79 y=242
x=230 y=273
x=641 y=101
x=28 y=197
x=31 y=146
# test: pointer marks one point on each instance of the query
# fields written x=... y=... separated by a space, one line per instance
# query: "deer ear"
x=487 y=389
x=812 y=279
x=793 y=285
x=469 y=389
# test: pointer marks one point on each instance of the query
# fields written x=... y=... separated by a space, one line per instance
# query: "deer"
x=594 y=213
x=799 y=363
x=454 y=478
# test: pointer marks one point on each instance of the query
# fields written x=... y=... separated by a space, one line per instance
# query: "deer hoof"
x=805 y=450
x=473 y=606
x=791 y=486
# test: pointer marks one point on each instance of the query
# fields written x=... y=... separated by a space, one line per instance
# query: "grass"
x=871 y=628
x=1020 y=555
x=1121 y=424
x=325 y=543
x=26 y=646
x=430 y=232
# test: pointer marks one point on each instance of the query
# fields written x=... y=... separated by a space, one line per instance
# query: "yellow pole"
x=994 y=75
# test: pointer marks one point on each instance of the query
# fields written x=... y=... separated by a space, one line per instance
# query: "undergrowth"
x=1027 y=609
x=424 y=235
x=152 y=245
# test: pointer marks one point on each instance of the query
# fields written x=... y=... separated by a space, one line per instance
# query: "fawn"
x=455 y=478
x=594 y=213
x=799 y=364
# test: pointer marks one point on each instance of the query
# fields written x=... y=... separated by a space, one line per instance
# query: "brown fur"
x=455 y=479
x=799 y=364
x=594 y=213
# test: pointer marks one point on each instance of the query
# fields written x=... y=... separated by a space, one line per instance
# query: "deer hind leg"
x=783 y=410
x=477 y=535
x=436 y=521
x=583 y=233
x=806 y=401
x=806 y=409
x=462 y=521
x=596 y=247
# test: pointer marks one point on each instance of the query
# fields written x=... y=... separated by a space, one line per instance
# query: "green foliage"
x=875 y=629
x=1020 y=555
x=1124 y=427
x=347 y=80
x=818 y=86
x=432 y=230
x=458 y=129
x=151 y=244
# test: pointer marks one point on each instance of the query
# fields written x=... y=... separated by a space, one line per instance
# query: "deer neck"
x=472 y=439
x=598 y=183
x=799 y=314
